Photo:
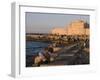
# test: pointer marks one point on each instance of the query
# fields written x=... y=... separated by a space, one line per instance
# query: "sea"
x=34 y=47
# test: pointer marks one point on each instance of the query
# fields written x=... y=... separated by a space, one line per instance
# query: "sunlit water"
x=33 y=47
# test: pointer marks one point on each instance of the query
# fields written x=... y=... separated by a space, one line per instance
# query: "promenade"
x=70 y=55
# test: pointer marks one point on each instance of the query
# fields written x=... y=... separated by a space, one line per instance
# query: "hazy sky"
x=45 y=22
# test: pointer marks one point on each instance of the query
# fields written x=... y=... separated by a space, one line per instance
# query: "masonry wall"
x=74 y=28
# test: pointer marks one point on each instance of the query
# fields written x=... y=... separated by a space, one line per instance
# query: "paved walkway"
x=70 y=55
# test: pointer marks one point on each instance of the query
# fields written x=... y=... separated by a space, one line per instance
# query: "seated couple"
x=45 y=56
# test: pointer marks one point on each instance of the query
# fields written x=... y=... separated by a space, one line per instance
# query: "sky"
x=45 y=22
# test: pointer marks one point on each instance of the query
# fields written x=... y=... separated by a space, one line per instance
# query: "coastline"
x=66 y=56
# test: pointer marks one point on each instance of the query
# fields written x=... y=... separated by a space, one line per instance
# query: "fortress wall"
x=75 y=28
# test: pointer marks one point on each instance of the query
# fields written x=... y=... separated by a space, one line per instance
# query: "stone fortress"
x=78 y=27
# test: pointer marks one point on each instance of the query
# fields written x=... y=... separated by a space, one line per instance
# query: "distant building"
x=60 y=31
x=77 y=27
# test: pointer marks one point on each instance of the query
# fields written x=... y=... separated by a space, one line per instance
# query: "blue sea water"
x=33 y=47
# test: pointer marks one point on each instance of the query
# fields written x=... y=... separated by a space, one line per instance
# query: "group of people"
x=45 y=56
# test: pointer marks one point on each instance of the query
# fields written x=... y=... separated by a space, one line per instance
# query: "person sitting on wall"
x=43 y=57
x=50 y=49
x=51 y=52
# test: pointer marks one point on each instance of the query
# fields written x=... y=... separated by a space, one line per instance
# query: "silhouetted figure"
x=50 y=49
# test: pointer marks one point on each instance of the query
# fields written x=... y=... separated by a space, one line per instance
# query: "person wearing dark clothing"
x=50 y=49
